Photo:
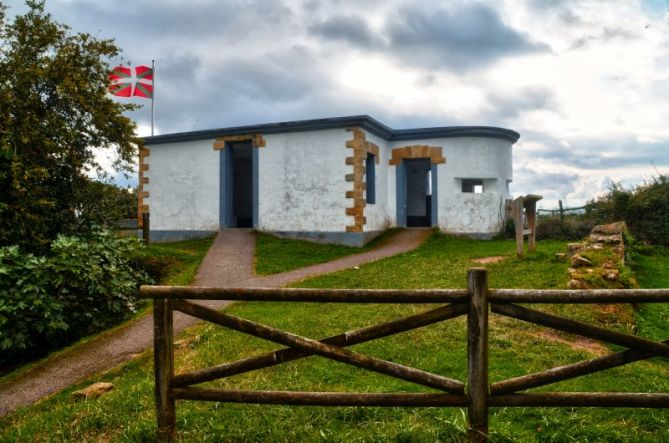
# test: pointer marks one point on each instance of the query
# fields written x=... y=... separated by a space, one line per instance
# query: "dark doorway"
x=418 y=192
x=241 y=184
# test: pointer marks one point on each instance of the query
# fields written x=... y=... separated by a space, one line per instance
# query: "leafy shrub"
x=645 y=209
x=83 y=286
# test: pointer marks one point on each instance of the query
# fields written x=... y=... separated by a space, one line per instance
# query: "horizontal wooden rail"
x=350 y=338
x=580 y=296
x=321 y=398
x=307 y=295
x=319 y=348
x=583 y=399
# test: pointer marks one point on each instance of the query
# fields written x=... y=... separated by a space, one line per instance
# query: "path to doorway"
x=229 y=262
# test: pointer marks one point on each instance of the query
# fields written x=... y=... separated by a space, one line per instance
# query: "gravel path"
x=229 y=262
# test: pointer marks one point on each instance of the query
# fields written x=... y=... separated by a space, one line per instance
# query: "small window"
x=370 y=179
x=472 y=185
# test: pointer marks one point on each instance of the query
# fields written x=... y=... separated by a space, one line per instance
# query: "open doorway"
x=237 y=190
x=418 y=192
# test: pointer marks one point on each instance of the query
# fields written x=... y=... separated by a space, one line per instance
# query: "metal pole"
x=153 y=94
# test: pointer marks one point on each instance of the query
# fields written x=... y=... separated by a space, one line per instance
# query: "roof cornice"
x=364 y=121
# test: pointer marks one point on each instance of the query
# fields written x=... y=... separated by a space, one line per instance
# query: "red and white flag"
x=128 y=82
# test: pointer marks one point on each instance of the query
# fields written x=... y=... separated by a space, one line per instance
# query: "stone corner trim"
x=361 y=148
x=434 y=153
x=141 y=194
x=257 y=140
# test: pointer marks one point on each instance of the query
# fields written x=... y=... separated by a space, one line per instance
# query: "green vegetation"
x=175 y=263
x=644 y=208
x=274 y=254
x=167 y=263
x=652 y=266
x=126 y=413
x=56 y=116
x=83 y=286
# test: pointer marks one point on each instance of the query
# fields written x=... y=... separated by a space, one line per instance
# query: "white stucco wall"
x=183 y=186
x=488 y=159
x=302 y=184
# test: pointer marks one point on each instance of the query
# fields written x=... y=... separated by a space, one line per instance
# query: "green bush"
x=81 y=287
x=645 y=209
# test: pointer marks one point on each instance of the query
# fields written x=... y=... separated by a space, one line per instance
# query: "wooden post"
x=531 y=214
x=146 y=228
x=477 y=355
x=163 y=356
x=517 y=214
x=561 y=214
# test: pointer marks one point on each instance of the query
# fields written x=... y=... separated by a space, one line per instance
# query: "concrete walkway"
x=229 y=262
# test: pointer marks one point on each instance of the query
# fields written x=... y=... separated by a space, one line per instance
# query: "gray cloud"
x=601 y=153
x=552 y=186
x=349 y=28
x=462 y=36
x=508 y=106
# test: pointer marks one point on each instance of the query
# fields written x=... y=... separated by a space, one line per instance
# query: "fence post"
x=146 y=227
x=561 y=214
x=477 y=355
x=163 y=357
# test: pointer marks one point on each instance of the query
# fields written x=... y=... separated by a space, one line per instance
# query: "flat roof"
x=364 y=121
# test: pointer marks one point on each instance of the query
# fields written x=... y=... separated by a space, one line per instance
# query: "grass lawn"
x=653 y=272
x=274 y=254
x=182 y=258
x=127 y=413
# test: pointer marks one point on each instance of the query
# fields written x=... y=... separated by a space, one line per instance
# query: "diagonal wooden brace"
x=350 y=338
x=319 y=348
x=567 y=372
x=583 y=329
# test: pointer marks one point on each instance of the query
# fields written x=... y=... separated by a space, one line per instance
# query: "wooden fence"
x=477 y=395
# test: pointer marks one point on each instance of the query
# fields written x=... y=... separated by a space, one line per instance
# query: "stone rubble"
x=610 y=237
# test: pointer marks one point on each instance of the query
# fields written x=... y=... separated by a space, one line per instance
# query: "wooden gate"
x=477 y=395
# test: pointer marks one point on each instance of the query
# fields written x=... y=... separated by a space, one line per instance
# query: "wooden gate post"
x=477 y=355
x=163 y=357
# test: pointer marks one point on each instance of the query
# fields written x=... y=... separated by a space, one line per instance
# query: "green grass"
x=274 y=254
x=126 y=414
x=182 y=258
x=653 y=272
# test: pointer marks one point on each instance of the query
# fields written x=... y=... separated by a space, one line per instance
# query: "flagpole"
x=153 y=94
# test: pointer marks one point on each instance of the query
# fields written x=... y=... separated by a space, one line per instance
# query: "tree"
x=54 y=113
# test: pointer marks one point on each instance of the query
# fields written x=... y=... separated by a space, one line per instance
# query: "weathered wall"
x=183 y=186
x=303 y=185
x=302 y=181
x=488 y=159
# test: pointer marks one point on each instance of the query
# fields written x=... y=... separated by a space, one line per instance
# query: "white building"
x=339 y=180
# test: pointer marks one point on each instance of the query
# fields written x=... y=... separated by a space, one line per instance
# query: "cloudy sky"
x=585 y=82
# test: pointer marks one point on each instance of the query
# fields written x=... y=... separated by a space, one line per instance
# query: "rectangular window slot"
x=474 y=186
x=370 y=179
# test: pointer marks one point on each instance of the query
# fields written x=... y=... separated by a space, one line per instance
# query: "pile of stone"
x=609 y=242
